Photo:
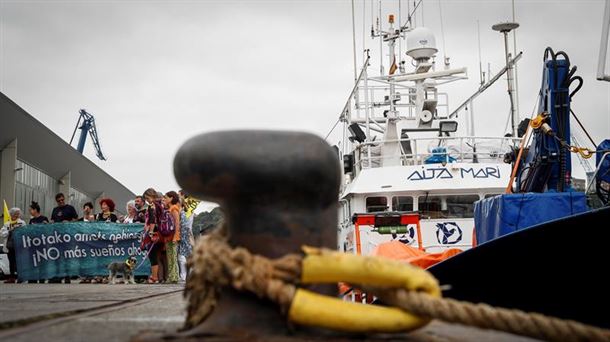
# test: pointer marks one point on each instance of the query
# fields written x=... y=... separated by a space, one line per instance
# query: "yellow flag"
x=191 y=205
x=7 y=216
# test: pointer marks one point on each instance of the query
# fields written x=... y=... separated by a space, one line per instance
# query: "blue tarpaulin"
x=504 y=214
x=439 y=155
x=603 y=164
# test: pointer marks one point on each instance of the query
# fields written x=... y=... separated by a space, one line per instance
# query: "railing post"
x=461 y=149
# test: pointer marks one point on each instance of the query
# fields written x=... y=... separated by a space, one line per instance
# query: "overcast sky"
x=158 y=72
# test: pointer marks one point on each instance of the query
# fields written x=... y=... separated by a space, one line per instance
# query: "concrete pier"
x=92 y=312
x=106 y=313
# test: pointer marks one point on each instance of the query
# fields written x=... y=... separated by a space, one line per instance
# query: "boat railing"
x=374 y=98
x=418 y=151
x=599 y=166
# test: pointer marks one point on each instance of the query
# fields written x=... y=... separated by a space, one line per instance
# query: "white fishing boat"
x=413 y=166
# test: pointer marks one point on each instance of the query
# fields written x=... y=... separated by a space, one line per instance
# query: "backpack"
x=166 y=225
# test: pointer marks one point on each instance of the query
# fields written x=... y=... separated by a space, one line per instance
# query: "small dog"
x=125 y=268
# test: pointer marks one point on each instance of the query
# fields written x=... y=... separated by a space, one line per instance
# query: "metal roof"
x=40 y=147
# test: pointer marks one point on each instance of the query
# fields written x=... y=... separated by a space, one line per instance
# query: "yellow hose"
x=312 y=309
x=325 y=266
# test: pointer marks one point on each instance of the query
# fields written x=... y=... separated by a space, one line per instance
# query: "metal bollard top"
x=267 y=166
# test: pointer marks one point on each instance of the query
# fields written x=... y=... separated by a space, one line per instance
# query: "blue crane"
x=547 y=165
x=86 y=123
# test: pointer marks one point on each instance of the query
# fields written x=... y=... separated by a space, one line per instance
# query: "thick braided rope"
x=487 y=317
x=215 y=264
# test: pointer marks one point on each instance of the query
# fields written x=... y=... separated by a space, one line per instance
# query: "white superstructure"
x=405 y=151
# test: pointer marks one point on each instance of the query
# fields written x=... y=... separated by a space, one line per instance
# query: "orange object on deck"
x=397 y=250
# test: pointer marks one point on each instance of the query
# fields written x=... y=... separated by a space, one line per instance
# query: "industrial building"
x=36 y=164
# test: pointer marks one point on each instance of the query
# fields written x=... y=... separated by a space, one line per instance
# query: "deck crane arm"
x=547 y=165
x=86 y=123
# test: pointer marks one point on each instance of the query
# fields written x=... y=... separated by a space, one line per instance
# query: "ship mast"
x=505 y=28
x=391 y=148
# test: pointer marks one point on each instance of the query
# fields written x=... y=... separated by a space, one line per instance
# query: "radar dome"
x=421 y=43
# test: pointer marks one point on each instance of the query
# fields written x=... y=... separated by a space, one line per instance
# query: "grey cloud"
x=158 y=72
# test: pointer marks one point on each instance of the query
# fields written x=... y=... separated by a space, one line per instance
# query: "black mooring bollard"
x=279 y=191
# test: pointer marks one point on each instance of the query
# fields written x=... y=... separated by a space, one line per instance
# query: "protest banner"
x=46 y=251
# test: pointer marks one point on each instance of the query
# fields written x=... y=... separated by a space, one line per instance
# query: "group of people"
x=167 y=252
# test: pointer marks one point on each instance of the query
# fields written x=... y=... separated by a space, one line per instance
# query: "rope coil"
x=215 y=264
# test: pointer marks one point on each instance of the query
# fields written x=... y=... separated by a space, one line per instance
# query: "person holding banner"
x=6 y=234
x=37 y=217
x=88 y=215
x=107 y=214
x=141 y=208
x=132 y=213
x=63 y=212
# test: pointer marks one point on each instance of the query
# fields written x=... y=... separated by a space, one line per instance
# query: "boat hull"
x=557 y=268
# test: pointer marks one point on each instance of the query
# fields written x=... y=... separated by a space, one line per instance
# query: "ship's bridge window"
x=374 y=204
x=452 y=206
x=402 y=203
